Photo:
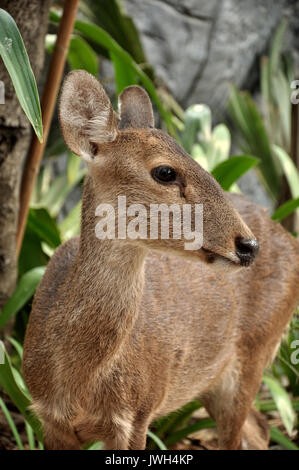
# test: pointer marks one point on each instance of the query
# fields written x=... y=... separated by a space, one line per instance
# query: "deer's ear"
x=86 y=115
x=135 y=109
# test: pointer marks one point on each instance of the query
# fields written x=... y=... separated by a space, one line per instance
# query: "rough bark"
x=31 y=17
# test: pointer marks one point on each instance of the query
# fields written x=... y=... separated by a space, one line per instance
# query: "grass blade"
x=183 y=433
x=18 y=397
x=281 y=439
x=11 y=424
x=157 y=440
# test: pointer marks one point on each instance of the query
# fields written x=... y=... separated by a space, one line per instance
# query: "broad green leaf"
x=23 y=292
x=15 y=58
x=18 y=397
x=124 y=76
x=44 y=226
x=229 y=171
x=283 y=402
x=82 y=56
x=285 y=210
x=31 y=255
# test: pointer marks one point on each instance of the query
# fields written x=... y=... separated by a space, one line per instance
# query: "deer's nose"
x=246 y=250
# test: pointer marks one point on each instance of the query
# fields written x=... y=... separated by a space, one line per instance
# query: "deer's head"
x=127 y=156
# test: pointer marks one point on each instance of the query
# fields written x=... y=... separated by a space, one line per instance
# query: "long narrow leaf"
x=289 y=168
x=15 y=58
x=11 y=424
x=283 y=402
x=19 y=398
x=229 y=171
x=281 y=439
x=182 y=433
x=157 y=440
x=285 y=210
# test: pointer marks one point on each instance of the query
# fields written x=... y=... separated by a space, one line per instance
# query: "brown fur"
x=123 y=332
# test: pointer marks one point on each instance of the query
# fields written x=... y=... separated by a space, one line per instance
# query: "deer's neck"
x=109 y=283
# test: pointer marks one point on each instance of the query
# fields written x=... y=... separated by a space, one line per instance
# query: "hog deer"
x=124 y=331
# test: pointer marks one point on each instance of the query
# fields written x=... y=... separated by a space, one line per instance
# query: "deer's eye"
x=164 y=174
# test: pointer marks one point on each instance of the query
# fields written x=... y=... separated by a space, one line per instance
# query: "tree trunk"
x=31 y=17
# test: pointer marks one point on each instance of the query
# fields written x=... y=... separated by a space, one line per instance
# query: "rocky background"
x=200 y=47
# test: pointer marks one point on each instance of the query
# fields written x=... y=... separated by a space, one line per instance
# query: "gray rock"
x=175 y=43
x=199 y=48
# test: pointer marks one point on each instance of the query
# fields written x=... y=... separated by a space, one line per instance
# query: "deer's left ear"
x=135 y=109
x=86 y=115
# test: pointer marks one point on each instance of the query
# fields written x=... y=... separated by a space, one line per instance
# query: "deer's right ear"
x=86 y=115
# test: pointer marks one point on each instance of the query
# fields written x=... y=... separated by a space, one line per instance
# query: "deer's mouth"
x=218 y=260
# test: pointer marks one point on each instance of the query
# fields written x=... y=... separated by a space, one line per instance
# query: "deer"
x=124 y=331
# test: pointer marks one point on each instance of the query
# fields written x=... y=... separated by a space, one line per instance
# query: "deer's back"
x=192 y=320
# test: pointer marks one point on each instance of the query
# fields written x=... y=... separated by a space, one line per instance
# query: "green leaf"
x=18 y=397
x=15 y=58
x=229 y=171
x=57 y=194
x=289 y=168
x=281 y=439
x=219 y=146
x=255 y=140
x=200 y=156
x=183 y=433
x=283 y=402
x=198 y=118
x=157 y=440
x=170 y=423
x=32 y=254
x=41 y=223
x=99 y=36
x=70 y=226
x=73 y=166
x=11 y=423
x=82 y=56
x=124 y=76
x=285 y=210
x=23 y=292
